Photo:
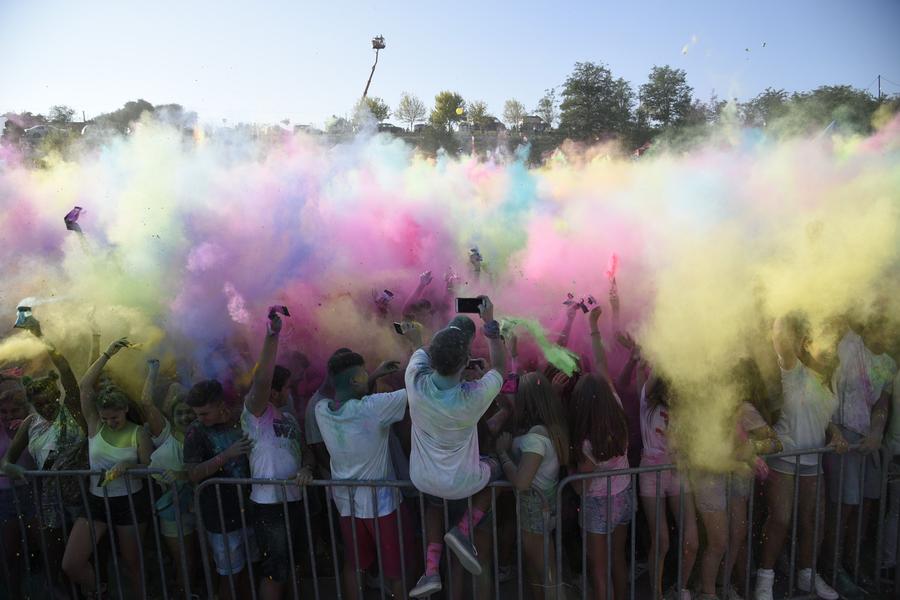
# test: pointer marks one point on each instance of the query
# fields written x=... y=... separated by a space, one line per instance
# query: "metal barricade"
x=315 y=564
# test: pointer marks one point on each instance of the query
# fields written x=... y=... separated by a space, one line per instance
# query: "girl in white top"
x=804 y=421
x=540 y=446
x=115 y=445
x=168 y=454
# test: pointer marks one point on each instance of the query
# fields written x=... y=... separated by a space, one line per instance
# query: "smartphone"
x=476 y=362
x=398 y=328
x=468 y=305
x=510 y=384
x=279 y=309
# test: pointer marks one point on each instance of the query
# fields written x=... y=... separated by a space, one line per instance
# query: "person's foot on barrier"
x=765 y=579
x=806 y=583
x=464 y=550
x=426 y=586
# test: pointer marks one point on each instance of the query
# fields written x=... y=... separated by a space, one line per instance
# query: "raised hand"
x=486 y=310
x=117 y=345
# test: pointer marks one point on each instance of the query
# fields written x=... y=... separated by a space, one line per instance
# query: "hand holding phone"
x=510 y=384
x=470 y=306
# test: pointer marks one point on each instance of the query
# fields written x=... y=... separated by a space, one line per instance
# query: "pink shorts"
x=669 y=483
x=388 y=535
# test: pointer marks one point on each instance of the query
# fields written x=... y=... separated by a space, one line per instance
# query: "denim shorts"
x=600 y=516
x=537 y=512
x=229 y=551
x=710 y=493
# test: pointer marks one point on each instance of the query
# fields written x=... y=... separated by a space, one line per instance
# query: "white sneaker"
x=765 y=579
x=823 y=590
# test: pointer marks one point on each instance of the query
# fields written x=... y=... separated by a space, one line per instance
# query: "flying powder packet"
x=71 y=219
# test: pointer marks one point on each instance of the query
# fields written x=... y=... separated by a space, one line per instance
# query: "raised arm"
x=384 y=369
x=154 y=417
x=634 y=356
x=601 y=368
x=424 y=280
x=563 y=339
x=89 y=381
x=258 y=397
x=66 y=375
x=784 y=343
x=492 y=331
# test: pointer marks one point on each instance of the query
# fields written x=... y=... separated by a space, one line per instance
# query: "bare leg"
x=688 y=536
x=716 y=525
x=76 y=562
x=779 y=494
x=129 y=540
x=662 y=532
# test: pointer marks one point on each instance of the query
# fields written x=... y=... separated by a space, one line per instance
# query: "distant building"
x=533 y=124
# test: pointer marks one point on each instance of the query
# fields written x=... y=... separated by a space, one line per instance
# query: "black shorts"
x=272 y=534
x=120 y=509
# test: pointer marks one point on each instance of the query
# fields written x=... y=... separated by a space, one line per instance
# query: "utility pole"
x=377 y=44
x=879 y=88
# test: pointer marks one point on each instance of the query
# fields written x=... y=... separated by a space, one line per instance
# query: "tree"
x=547 y=107
x=765 y=107
x=338 y=126
x=595 y=105
x=666 y=97
x=378 y=107
x=449 y=108
x=410 y=110
x=847 y=106
x=513 y=111
x=121 y=119
x=60 y=113
x=477 y=114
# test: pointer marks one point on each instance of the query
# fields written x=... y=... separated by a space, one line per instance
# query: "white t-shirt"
x=357 y=437
x=169 y=451
x=806 y=412
x=311 y=427
x=859 y=381
x=654 y=425
x=444 y=460
x=537 y=441
x=275 y=454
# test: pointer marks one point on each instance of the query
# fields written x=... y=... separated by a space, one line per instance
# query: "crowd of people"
x=462 y=410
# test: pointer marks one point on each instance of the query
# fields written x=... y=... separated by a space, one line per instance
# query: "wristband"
x=106 y=354
x=492 y=330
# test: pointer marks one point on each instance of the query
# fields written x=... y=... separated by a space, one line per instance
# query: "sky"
x=268 y=60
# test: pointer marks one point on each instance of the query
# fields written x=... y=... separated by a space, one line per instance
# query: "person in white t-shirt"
x=355 y=427
x=804 y=423
x=167 y=435
x=862 y=384
x=445 y=462
x=541 y=445
x=276 y=454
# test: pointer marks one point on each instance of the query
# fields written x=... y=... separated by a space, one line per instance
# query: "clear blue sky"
x=265 y=60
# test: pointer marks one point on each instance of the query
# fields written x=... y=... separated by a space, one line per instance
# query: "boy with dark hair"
x=445 y=462
x=276 y=453
x=355 y=426
x=214 y=446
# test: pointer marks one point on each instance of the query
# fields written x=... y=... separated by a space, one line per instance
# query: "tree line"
x=592 y=105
